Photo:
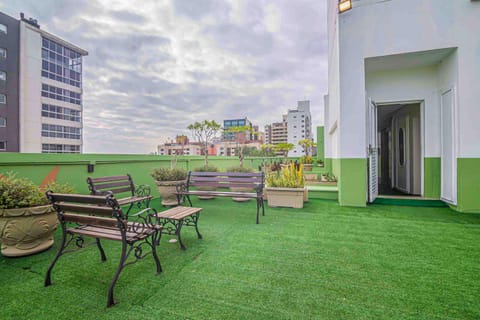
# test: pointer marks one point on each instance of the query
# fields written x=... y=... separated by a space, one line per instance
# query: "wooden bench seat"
x=101 y=218
x=253 y=182
x=126 y=192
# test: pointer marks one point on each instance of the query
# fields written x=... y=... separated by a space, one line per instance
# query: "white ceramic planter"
x=25 y=231
x=206 y=189
x=240 y=189
x=167 y=190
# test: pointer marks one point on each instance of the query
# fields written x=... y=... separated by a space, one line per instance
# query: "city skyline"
x=154 y=69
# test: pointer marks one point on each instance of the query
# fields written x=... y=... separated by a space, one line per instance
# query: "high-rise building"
x=40 y=89
x=276 y=132
x=240 y=137
x=299 y=126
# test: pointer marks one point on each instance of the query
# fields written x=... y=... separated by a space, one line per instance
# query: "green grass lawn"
x=320 y=262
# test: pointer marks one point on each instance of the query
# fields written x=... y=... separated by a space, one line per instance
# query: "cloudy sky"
x=155 y=66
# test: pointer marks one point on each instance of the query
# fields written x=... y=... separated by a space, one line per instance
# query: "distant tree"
x=284 y=148
x=307 y=145
x=204 y=132
x=236 y=131
x=267 y=150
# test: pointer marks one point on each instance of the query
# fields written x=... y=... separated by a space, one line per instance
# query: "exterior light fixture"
x=344 y=5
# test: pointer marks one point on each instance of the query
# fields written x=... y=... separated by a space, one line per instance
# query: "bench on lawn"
x=251 y=181
x=101 y=217
x=119 y=185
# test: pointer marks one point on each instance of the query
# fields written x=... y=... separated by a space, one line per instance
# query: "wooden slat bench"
x=250 y=181
x=173 y=219
x=119 y=186
x=100 y=217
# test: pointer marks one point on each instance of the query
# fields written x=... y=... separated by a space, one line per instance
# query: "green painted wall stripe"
x=432 y=177
x=353 y=182
x=468 y=177
x=320 y=144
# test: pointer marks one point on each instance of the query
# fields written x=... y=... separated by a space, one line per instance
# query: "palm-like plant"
x=204 y=132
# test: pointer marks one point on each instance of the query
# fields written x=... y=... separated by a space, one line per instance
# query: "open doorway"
x=399 y=155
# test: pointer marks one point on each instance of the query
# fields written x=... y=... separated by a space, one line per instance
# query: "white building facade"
x=50 y=92
x=401 y=113
x=299 y=126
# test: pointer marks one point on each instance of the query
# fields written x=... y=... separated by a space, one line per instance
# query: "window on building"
x=60 y=148
x=3 y=145
x=3 y=98
x=3 y=76
x=3 y=28
x=57 y=131
x=56 y=112
x=60 y=63
x=3 y=122
x=60 y=94
x=3 y=53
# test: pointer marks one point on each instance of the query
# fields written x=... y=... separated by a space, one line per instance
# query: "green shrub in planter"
x=169 y=174
x=206 y=168
x=167 y=180
x=240 y=169
x=27 y=220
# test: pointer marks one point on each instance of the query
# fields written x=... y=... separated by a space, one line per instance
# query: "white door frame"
x=372 y=151
x=422 y=136
x=454 y=126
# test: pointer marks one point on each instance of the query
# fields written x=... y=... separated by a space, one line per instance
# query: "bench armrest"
x=146 y=216
x=181 y=188
x=259 y=189
x=142 y=190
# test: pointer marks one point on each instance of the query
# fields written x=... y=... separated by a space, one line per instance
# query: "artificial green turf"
x=320 y=262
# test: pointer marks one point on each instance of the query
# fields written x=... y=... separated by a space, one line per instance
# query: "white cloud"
x=156 y=66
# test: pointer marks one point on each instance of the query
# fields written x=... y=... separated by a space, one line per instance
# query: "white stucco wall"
x=332 y=101
x=31 y=98
x=381 y=28
x=30 y=89
x=411 y=85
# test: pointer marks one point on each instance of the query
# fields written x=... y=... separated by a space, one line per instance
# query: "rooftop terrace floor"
x=320 y=262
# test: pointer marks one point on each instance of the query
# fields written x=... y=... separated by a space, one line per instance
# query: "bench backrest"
x=93 y=210
x=115 y=184
x=251 y=180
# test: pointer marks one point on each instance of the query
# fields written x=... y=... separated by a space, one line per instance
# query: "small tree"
x=307 y=145
x=267 y=150
x=204 y=132
x=285 y=148
x=236 y=130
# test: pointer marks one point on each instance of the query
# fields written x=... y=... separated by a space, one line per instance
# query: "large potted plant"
x=307 y=162
x=287 y=187
x=167 y=180
x=240 y=168
x=27 y=220
x=206 y=168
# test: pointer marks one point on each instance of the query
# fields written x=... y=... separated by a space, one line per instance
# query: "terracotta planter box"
x=26 y=231
x=167 y=190
x=286 y=197
x=307 y=167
